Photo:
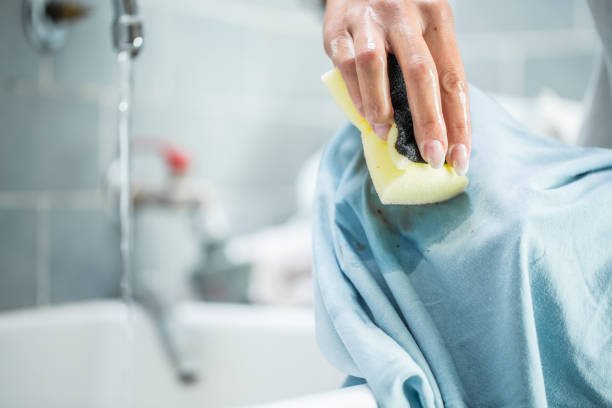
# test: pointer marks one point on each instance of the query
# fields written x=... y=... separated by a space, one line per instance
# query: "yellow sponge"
x=396 y=179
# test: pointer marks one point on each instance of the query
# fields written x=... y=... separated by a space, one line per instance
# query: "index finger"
x=341 y=50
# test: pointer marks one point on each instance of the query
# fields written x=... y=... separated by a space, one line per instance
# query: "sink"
x=104 y=354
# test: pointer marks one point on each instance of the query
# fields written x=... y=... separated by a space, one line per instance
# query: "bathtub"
x=104 y=354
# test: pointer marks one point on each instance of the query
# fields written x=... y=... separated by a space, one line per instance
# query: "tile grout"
x=74 y=199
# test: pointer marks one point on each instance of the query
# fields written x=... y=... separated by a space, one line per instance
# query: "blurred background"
x=228 y=118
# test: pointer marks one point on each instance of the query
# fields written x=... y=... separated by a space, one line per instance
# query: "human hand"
x=358 y=34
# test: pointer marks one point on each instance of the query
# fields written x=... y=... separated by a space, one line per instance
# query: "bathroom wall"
x=236 y=83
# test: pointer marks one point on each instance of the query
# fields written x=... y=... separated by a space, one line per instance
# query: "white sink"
x=102 y=354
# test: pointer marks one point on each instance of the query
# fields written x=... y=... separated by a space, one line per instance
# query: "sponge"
x=406 y=142
x=396 y=167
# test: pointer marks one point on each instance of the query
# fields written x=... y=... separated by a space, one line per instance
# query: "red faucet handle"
x=177 y=160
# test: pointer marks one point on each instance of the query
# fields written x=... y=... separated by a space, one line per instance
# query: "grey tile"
x=582 y=14
x=251 y=209
x=84 y=255
x=88 y=57
x=107 y=136
x=18 y=240
x=284 y=65
x=191 y=57
x=19 y=59
x=568 y=76
x=487 y=15
x=229 y=150
x=188 y=57
x=47 y=143
x=288 y=5
x=272 y=154
x=484 y=73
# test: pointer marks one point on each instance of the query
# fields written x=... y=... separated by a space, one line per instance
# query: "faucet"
x=161 y=279
x=127 y=27
x=46 y=23
x=127 y=35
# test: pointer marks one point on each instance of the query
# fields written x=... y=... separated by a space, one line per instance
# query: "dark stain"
x=432 y=222
x=381 y=216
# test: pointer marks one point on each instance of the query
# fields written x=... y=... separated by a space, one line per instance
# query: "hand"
x=358 y=34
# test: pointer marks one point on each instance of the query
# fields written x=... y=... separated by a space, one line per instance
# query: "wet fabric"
x=499 y=297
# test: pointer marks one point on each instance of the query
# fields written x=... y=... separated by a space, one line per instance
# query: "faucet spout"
x=127 y=27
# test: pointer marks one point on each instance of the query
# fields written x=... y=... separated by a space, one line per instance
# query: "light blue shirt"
x=499 y=297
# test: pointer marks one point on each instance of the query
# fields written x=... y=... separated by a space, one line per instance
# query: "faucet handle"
x=65 y=11
x=44 y=21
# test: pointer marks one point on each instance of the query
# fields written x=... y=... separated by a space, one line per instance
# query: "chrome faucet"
x=127 y=27
x=46 y=23
x=127 y=30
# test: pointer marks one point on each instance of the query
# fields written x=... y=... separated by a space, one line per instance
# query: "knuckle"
x=458 y=129
x=334 y=27
x=389 y=6
x=380 y=112
x=418 y=69
x=368 y=57
x=451 y=81
x=430 y=126
x=330 y=34
x=336 y=42
x=346 y=63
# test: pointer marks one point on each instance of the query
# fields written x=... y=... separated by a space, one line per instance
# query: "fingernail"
x=381 y=130
x=433 y=153
x=459 y=159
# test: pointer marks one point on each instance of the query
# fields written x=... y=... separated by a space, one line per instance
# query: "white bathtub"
x=80 y=355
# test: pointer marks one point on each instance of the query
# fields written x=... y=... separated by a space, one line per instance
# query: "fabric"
x=499 y=297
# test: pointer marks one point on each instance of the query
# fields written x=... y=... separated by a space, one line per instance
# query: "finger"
x=423 y=92
x=371 y=59
x=341 y=50
x=442 y=44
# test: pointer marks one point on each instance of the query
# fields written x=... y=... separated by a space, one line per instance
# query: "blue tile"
x=567 y=76
x=88 y=57
x=582 y=15
x=484 y=73
x=187 y=57
x=230 y=151
x=83 y=254
x=280 y=65
x=19 y=59
x=272 y=153
x=18 y=263
x=47 y=143
x=496 y=16
x=250 y=209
